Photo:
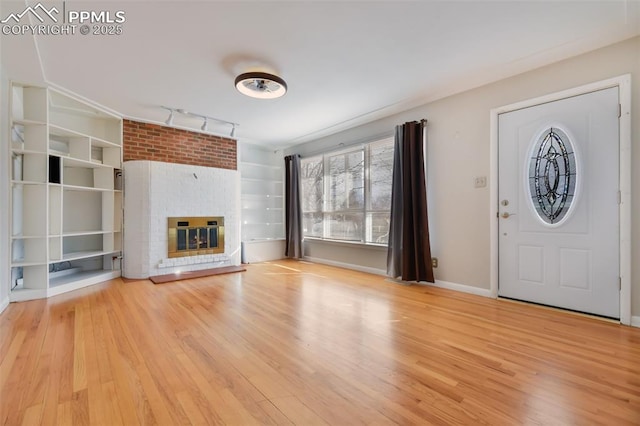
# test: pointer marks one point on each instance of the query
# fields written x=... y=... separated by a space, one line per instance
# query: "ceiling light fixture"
x=261 y=85
x=205 y=118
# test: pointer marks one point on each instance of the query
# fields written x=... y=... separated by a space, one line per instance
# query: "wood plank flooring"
x=289 y=342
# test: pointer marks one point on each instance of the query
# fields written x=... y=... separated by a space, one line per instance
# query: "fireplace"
x=193 y=236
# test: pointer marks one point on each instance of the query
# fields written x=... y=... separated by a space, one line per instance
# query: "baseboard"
x=485 y=292
x=463 y=288
x=353 y=267
x=3 y=304
x=635 y=322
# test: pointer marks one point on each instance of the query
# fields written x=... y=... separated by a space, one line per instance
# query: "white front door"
x=558 y=193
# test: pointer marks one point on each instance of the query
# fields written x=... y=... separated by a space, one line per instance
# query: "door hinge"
x=619 y=110
x=620 y=283
x=619 y=197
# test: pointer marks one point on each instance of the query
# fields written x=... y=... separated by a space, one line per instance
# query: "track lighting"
x=205 y=118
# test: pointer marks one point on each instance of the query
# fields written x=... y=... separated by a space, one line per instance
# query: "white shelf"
x=79 y=276
x=63 y=132
x=29 y=122
x=259 y=196
x=82 y=255
x=261 y=209
x=27 y=151
x=80 y=233
x=26 y=182
x=261 y=180
x=19 y=263
x=267 y=166
x=63 y=197
x=84 y=164
x=21 y=294
x=103 y=144
x=84 y=188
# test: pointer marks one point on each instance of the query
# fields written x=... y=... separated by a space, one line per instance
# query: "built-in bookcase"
x=66 y=194
x=262 y=193
x=262 y=189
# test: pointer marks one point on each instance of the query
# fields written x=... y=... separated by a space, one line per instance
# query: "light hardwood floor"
x=294 y=343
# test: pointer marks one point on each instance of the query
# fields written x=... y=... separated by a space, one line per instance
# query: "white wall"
x=458 y=139
x=155 y=191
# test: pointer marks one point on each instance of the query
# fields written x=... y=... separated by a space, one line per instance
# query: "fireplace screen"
x=192 y=236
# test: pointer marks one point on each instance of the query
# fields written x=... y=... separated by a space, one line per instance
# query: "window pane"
x=378 y=231
x=312 y=224
x=312 y=181
x=380 y=174
x=345 y=226
x=347 y=195
x=346 y=181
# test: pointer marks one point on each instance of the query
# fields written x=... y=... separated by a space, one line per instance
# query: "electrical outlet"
x=480 y=181
x=434 y=262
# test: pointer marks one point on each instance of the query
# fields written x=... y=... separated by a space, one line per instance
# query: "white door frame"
x=623 y=83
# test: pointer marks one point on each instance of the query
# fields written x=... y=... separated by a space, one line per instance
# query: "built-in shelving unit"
x=66 y=198
x=262 y=201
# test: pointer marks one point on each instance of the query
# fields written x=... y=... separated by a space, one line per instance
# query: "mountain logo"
x=38 y=11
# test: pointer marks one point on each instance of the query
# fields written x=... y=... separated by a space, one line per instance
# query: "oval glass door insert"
x=552 y=176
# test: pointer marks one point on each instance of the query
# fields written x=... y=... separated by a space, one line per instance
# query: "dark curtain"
x=409 y=252
x=293 y=207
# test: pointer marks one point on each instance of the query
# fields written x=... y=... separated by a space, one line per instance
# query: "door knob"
x=506 y=215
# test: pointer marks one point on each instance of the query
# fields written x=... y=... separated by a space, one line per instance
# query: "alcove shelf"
x=262 y=200
x=66 y=199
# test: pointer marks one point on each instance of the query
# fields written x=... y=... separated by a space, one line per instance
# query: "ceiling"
x=346 y=63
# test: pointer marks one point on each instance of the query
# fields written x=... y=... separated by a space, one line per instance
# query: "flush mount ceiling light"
x=261 y=85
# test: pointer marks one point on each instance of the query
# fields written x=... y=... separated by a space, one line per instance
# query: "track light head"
x=233 y=131
x=205 y=123
x=169 y=120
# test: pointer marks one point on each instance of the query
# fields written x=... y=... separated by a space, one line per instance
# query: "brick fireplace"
x=173 y=173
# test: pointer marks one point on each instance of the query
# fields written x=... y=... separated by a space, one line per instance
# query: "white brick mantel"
x=155 y=191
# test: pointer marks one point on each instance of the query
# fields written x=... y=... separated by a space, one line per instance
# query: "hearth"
x=193 y=236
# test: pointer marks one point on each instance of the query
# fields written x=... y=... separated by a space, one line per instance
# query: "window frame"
x=366 y=210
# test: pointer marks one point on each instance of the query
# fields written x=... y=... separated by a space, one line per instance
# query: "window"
x=347 y=194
